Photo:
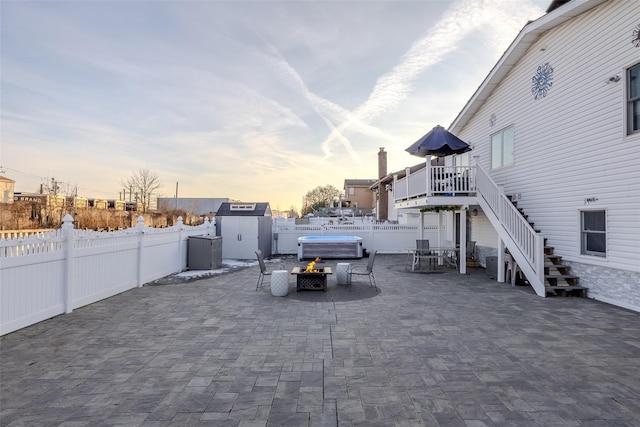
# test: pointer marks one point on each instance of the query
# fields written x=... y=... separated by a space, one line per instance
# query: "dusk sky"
x=254 y=101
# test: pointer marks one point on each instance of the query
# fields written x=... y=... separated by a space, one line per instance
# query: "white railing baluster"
x=525 y=238
x=473 y=180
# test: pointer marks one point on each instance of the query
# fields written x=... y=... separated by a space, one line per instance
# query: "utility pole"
x=176 y=195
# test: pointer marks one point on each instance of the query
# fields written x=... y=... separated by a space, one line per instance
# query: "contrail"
x=394 y=86
x=460 y=20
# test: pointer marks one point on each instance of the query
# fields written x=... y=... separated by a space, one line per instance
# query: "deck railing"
x=436 y=181
x=510 y=218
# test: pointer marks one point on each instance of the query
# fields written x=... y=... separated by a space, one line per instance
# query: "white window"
x=352 y=191
x=593 y=233
x=461 y=159
x=633 y=99
x=242 y=207
x=502 y=148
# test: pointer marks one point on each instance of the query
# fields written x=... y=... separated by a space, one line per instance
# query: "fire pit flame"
x=311 y=267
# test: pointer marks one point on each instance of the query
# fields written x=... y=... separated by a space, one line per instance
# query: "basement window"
x=593 y=233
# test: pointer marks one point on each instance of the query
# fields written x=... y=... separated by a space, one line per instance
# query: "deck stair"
x=558 y=279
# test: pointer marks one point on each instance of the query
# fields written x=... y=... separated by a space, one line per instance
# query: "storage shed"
x=245 y=228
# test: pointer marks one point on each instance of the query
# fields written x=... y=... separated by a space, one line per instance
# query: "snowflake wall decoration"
x=635 y=36
x=542 y=81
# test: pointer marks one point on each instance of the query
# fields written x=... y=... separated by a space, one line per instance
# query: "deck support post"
x=462 y=255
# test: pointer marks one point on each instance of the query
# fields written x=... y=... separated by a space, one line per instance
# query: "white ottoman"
x=279 y=283
x=342 y=273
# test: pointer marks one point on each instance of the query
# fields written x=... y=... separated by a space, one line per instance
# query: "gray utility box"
x=492 y=267
x=204 y=252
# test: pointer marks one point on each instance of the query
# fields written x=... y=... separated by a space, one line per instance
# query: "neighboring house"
x=191 y=205
x=358 y=196
x=555 y=126
x=6 y=189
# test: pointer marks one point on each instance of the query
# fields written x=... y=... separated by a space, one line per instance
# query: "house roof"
x=244 y=209
x=5 y=179
x=359 y=182
x=556 y=4
x=559 y=13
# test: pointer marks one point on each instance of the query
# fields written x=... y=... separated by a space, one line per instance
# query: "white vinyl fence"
x=48 y=274
x=382 y=237
x=51 y=273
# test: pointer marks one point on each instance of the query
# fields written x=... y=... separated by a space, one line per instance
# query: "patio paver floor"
x=426 y=350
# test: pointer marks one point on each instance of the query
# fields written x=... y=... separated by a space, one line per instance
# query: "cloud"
x=502 y=19
x=392 y=88
x=189 y=91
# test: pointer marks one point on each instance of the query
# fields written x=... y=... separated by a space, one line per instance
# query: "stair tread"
x=566 y=287
x=554 y=278
x=560 y=276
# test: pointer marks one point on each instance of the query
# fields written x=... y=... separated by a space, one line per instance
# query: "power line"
x=42 y=179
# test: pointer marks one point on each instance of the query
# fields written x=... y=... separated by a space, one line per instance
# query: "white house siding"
x=571 y=146
x=485 y=236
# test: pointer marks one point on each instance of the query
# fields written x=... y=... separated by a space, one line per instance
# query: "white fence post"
x=140 y=231
x=67 y=233
x=181 y=245
x=372 y=237
x=45 y=270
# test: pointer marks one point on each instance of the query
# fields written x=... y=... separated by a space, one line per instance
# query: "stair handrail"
x=527 y=241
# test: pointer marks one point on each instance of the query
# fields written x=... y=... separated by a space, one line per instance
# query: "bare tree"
x=292 y=213
x=142 y=184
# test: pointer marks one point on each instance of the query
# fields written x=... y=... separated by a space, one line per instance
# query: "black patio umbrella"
x=438 y=142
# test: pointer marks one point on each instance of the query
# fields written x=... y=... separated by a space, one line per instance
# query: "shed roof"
x=244 y=209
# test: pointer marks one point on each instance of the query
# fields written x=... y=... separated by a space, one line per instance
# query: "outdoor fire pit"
x=312 y=277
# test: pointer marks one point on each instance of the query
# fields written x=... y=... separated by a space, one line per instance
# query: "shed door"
x=239 y=237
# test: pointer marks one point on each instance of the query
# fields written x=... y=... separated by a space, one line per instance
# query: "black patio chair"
x=471 y=250
x=263 y=269
x=356 y=270
x=422 y=251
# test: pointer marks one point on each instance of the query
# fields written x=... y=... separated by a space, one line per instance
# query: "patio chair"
x=364 y=270
x=512 y=269
x=471 y=250
x=263 y=269
x=471 y=254
x=422 y=250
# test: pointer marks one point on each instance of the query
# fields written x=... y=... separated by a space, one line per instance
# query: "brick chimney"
x=383 y=196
